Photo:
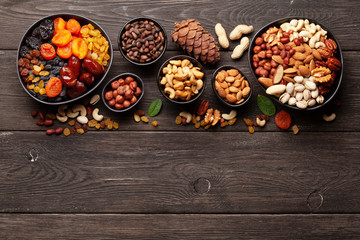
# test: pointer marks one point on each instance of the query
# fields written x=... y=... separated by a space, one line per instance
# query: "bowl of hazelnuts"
x=123 y=92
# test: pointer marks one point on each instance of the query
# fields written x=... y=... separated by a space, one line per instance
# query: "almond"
x=312 y=65
x=224 y=84
x=233 y=89
x=308 y=49
x=281 y=46
x=288 y=79
x=299 y=49
x=278 y=74
x=267 y=82
x=246 y=92
x=278 y=59
x=233 y=72
x=290 y=70
x=230 y=79
x=304 y=70
x=230 y=98
x=291 y=74
x=297 y=64
x=316 y=54
x=292 y=62
x=299 y=56
x=222 y=92
x=308 y=58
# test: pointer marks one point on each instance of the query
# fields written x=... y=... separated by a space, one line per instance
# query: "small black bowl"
x=120 y=42
x=83 y=21
x=228 y=67
x=162 y=87
x=107 y=87
x=334 y=88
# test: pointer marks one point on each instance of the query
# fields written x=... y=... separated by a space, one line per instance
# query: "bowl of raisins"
x=62 y=58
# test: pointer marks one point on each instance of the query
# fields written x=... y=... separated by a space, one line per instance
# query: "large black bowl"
x=83 y=21
x=334 y=88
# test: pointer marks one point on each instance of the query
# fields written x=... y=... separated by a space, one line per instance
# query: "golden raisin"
x=178 y=120
x=144 y=119
x=232 y=121
x=71 y=122
x=110 y=125
x=193 y=119
x=248 y=122
x=155 y=123
x=197 y=125
x=97 y=126
x=80 y=131
x=207 y=126
x=116 y=125
x=251 y=129
x=295 y=129
x=224 y=124
x=92 y=123
x=66 y=132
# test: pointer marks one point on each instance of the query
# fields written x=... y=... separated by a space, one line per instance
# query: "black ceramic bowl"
x=120 y=45
x=162 y=87
x=228 y=67
x=334 y=88
x=83 y=21
x=108 y=87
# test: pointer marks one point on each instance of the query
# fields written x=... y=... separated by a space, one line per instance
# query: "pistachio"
x=299 y=87
x=310 y=85
x=301 y=104
x=320 y=99
x=298 y=79
x=284 y=98
x=311 y=102
x=290 y=88
x=306 y=94
x=299 y=96
x=315 y=93
x=292 y=101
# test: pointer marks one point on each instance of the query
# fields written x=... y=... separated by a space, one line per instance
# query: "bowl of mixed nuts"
x=181 y=79
x=231 y=86
x=142 y=41
x=62 y=58
x=298 y=62
x=123 y=92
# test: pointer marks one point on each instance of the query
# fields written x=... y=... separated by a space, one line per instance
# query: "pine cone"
x=193 y=39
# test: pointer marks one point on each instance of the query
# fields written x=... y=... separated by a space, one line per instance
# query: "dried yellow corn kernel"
x=42 y=91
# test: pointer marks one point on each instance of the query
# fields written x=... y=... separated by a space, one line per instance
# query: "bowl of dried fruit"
x=123 y=92
x=62 y=58
x=142 y=41
x=181 y=79
x=298 y=62
x=231 y=86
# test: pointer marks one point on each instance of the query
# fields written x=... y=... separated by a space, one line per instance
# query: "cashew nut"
x=314 y=39
x=199 y=84
x=61 y=118
x=71 y=114
x=95 y=99
x=299 y=25
x=319 y=44
x=329 y=118
x=61 y=110
x=293 y=22
x=175 y=62
x=305 y=34
x=260 y=122
x=170 y=91
x=82 y=119
x=229 y=116
x=96 y=115
x=79 y=108
x=163 y=81
x=186 y=115
x=197 y=73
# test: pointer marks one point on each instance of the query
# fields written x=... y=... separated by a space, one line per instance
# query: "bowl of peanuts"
x=231 y=86
x=298 y=62
x=181 y=79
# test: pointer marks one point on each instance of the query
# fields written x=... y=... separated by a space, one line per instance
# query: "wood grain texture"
x=112 y=15
x=18 y=105
x=159 y=172
x=170 y=226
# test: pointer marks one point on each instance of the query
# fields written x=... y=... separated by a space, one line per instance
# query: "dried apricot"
x=47 y=51
x=64 y=52
x=53 y=87
x=59 y=24
x=79 y=48
x=73 y=26
x=283 y=120
x=62 y=38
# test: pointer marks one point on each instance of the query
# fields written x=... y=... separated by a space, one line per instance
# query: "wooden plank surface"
x=147 y=172
x=18 y=105
x=176 y=182
x=187 y=226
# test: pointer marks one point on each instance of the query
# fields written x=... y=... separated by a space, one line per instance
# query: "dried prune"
x=24 y=50
x=36 y=32
x=46 y=29
x=33 y=42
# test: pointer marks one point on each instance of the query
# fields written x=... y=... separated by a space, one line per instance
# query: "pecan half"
x=325 y=52
x=333 y=63
x=203 y=107
x=331 y=44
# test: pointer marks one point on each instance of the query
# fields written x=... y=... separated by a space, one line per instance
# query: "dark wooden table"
x=177 y=182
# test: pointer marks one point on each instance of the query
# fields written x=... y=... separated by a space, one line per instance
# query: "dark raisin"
x=34 y=43
x=46 y=29
x=55 y=70
x=24 y=50
x=47 y=67
x=36 y=32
